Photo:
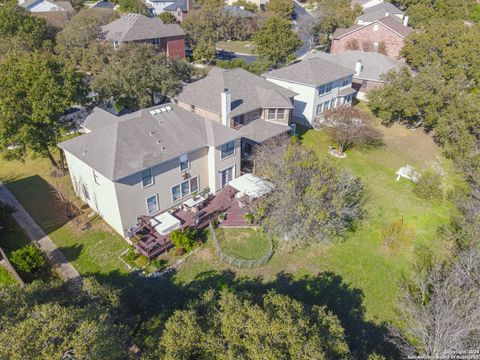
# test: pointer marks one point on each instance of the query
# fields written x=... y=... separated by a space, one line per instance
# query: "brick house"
x=169 y=38
x=386 y=36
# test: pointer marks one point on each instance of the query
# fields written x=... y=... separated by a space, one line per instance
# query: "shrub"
x=393 y=233
x=249 y=217
x=167 y=18
x=429 y=186
x=184 y=240
x=131 y=255
x=28 y=259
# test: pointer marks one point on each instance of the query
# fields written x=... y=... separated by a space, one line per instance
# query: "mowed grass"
x=244 y=243
x=362 y=259
x=93 y=251
x=237 y=46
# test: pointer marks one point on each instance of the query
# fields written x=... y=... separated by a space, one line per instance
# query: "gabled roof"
x=249 y=92
x=379 y=11
x=237 y=11
x=182 y=4
x=61 y=5
x=260 y=130
x=103 y=5
x=373 y=64
x=311 y=71
x=134 y=27
x=391 y=22
x=140 y=140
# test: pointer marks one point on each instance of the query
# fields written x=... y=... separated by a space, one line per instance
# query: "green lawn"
x=242 y=47
x=93 y=251
x=245 y=243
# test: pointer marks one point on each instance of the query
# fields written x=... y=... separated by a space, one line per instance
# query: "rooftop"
x=249 y=92
x=392 y=22
x=373 y=64
x=119 y=146
x=134 y=27
x=182 y=4
x=260 y=130
x=312 y=71
x=379 y=11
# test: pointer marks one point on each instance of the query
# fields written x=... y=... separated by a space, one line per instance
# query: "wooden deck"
x=151 y=243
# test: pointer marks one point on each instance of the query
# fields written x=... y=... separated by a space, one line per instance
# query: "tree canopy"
x=276 y=42
x=281 y=8
x=225 y=325
x=35 y=90
x=137 y=73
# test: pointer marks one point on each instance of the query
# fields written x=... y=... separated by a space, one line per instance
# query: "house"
x=320 y=85
x=238 y=99
x=380 y=11
x=385 y=35
x=149 y=161
x=178 y=8
x=103 y=5
x=260 y=3
x=365 y=4
x=238 y=11
x=169 y=38
x=368 y=68
x=55 y=13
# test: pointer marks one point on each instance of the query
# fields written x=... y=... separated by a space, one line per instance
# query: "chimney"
x=358 y=67
x=405 y=20
x=189 y=5
x=226 y=106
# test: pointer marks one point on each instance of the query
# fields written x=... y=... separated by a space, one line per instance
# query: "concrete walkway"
x=55 y=257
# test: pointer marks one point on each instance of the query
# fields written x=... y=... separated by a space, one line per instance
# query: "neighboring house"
x=365 y=4
x=238 y=99
x=103 y=5
x=169 y=38
x=368 y=68
x=385 y=35
x=149 y=161
x=320 y=85
x=238 y=11
x=380 y=11
x=260 y=3
x=56 y=13
x=178 y=8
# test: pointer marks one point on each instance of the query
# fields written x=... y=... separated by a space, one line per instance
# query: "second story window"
x=239 y=120
x=147 y=178
x=346 y=81
x=156 y=41
x=184 y=165
x=281 y=114
x=228 y=149
x=326 y=88
x=116 y=45
x=271 y=114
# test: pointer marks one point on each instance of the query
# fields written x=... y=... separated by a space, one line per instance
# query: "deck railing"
x=218 y=237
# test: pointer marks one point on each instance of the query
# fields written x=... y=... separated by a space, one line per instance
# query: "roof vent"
x=169 y=108
x=159 y=141
x=157 y=111
x=162 y=148
x=152 y=133
x=152 y=112
x=163 y=109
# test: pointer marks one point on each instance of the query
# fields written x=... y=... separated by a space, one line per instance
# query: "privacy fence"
x=219 y=238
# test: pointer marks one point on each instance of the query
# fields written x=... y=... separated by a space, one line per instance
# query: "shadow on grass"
x=152 y=301
x=72 y=252
x=38 y=197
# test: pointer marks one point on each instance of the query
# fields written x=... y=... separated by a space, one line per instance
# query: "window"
x=281 y=114
x=147 y=178
x=228 y=149
x=375 y=27
x=323 y=89
x=271 y=114
x=328 y=87
x=192 y=108
x=239 y=120
x=116 y=45
x=227 y=176
x=375 y=46
x=185 y=188
x=319 y=108
x=345 y=81
x=152 y=204
x=184 y=165
x=95 y=178
x=156 y=41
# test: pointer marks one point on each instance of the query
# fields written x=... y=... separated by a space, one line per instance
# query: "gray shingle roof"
x=249 y=92
x=312 y=71
x=62 y=5
x=182 y=4
x=374 y=64
x=134 y=27
x=379 y=11
x=141 y=140
x=238 y=11
x=260 y=130
x=392 y=22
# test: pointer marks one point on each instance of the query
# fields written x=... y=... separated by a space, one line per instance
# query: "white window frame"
x=156 y=202
x=116 y=45
x=234 y=168
x=182 y=195
x=228 y=156
x=184 y=156
x=152 y=180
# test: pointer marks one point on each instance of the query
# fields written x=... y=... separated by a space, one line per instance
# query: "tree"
x=440 y=307
x=16 y=22
x=268 y=155
x=312 y=201
x=276 y=42
x=35 y=90
x=133 y=6
x=349 y=127
x=28 y=259
x=333 y=14
x=226 y=325
x=52 y=321
x=79 y=39
x=247 y=5
x=184 y=239
x=137 y=73
x=281 y=8
x=167 y=18
x=452 y=46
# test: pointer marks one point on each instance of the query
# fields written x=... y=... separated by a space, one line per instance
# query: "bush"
x=184 y=240
x=167 y=18
x=429 y=186
x=249 y=218
x=131 y=255
x=28 y=259
x=393 y=233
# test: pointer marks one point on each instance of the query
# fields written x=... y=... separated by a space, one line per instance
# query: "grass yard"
x=241 y=47
x=245 y=243
x=94 y=251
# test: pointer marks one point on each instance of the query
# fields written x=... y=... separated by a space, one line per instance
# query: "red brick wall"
x=173 y=46
x=366 y=37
